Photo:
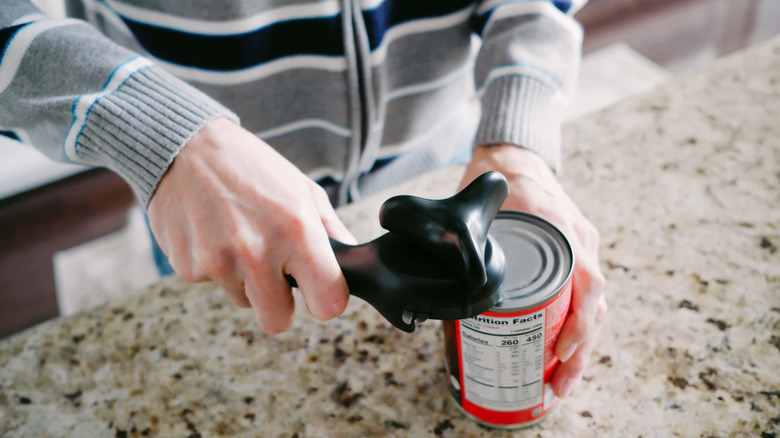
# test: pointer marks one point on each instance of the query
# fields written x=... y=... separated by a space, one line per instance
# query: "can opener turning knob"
x=437 y=259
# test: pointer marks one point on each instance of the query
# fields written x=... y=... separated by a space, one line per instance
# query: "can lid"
x=539 y=260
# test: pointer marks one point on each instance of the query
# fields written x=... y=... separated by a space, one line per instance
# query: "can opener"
x=436 y=260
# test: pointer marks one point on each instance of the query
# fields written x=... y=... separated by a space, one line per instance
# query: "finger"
x=319 y=277
x=235 y=291
x=587 y=289
x=185 y=268
x=271 y=298
x=330 y=220
x=180 y=257
x=568 y=374
x=588 y=236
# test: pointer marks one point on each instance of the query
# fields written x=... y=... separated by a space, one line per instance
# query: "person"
x=337 y=99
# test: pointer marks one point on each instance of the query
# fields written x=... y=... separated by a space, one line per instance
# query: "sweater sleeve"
x=78 y=97
x=525 y=72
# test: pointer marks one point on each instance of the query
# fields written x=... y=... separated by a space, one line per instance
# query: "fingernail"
x=332 y=308
x=338 y=306
x=568 y=352
x=568 y=385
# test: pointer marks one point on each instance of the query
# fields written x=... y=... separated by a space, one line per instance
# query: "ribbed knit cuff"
x=138 y=129
x=523 y=111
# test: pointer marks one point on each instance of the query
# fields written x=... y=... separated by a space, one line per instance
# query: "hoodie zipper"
x=362 y=97
x=355 y=102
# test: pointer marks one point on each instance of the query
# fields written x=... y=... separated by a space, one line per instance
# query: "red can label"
x=501 y=363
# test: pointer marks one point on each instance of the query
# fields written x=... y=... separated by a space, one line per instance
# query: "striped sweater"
x=360 y=94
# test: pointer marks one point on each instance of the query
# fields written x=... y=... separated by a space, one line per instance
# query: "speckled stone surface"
x=684 y=185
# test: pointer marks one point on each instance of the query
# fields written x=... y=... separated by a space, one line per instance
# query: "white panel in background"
x=23 y=168
x=105 y=269
x=610 y=75
x=52 y=8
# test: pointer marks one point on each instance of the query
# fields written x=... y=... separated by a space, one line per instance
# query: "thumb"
x=330 y=220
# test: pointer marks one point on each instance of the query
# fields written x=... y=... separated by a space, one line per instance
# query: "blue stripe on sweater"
x=10 y=134
x=6 y=35
x=393 y=12
x=478 y=23
x=311 y=36
x=563 y=5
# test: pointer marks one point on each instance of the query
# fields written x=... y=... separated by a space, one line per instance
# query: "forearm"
x=525 y=74
x=77 y=96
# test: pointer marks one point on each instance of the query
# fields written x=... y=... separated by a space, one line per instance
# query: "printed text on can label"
x=503 y=360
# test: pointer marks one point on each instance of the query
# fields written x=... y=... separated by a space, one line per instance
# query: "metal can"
x=501 y=362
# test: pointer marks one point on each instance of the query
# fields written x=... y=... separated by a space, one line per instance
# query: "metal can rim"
x=515 y=426
x=561 y=238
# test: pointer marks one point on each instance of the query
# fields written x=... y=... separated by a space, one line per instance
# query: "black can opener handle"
x=437 y=259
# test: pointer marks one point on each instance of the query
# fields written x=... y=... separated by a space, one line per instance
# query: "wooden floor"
x=677 y=34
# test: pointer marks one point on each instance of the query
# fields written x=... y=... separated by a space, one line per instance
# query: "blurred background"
x=62 y=251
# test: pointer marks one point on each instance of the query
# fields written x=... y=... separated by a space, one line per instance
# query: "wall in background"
x=52 y=8
x=680 y=35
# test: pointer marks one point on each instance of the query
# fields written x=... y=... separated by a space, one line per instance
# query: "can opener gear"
x=437 y=259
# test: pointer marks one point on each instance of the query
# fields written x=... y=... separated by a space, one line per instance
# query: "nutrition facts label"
x=503 y=360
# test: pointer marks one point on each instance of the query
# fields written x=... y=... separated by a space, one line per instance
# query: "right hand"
x=534 y=188
x=232 y=210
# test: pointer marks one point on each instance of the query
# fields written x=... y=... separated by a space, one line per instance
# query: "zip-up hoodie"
x=360 y=94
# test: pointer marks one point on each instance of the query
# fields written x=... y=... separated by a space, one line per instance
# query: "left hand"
x=533 y=188
x=233 y=210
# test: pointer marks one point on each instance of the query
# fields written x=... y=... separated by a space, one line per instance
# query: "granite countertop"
x=684 y=185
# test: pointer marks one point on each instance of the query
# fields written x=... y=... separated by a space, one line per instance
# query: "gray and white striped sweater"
x=357 y=93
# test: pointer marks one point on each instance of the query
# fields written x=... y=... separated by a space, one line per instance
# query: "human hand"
x=232 y=210
x=533 y=188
